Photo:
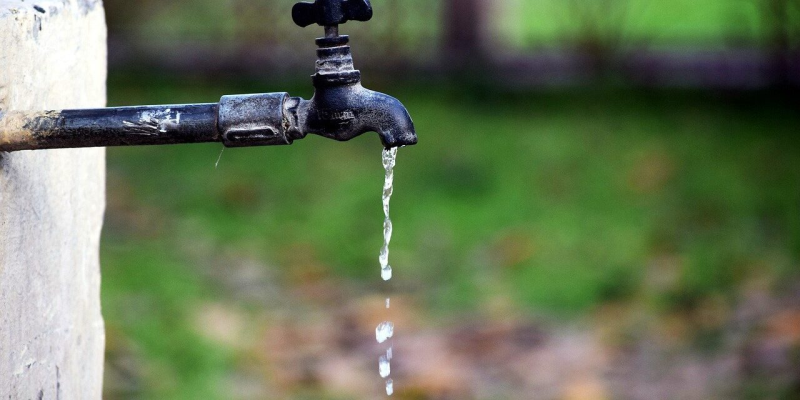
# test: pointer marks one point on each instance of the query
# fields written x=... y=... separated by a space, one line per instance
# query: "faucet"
x=341 y=108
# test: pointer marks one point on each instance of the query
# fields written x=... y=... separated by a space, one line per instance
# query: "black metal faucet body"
x=341 y=108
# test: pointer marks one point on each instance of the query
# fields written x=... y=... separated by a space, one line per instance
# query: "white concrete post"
x=52 y=56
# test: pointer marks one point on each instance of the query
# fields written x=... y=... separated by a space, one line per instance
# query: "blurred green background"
x=604 y=204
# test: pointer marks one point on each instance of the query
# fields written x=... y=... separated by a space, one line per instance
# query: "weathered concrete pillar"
x=52 y=56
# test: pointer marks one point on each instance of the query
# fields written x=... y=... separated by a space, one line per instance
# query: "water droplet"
x=388 y=303
x=389 y=353
x=384 y=331
x=386 y=273
x=389 y=387
x=384 y=367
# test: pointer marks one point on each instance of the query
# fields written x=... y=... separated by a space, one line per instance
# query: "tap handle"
x=331 y=12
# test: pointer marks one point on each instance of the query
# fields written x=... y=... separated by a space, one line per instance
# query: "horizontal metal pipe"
x=120 y=126
x=265 y=119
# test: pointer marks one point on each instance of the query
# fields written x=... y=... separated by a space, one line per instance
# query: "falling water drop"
x=389 y=387
x=384 y=367
x=384 y=331
x=386 y=273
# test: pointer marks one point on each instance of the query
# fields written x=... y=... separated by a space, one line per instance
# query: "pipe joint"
x=255 y=120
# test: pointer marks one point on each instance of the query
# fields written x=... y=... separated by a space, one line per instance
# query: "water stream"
x=385 y=330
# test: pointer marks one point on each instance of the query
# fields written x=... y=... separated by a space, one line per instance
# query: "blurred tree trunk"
x=464 y=37
x=601 y=32
x=782 y=31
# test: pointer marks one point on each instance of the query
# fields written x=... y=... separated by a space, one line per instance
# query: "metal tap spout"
x=343 y=109
x=346 y=112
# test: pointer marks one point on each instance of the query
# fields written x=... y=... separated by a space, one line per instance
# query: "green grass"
x=634 y=21
x=148 y=297
x=557 y=202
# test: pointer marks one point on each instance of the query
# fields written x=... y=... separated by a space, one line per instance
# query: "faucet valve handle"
x=331 y=12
